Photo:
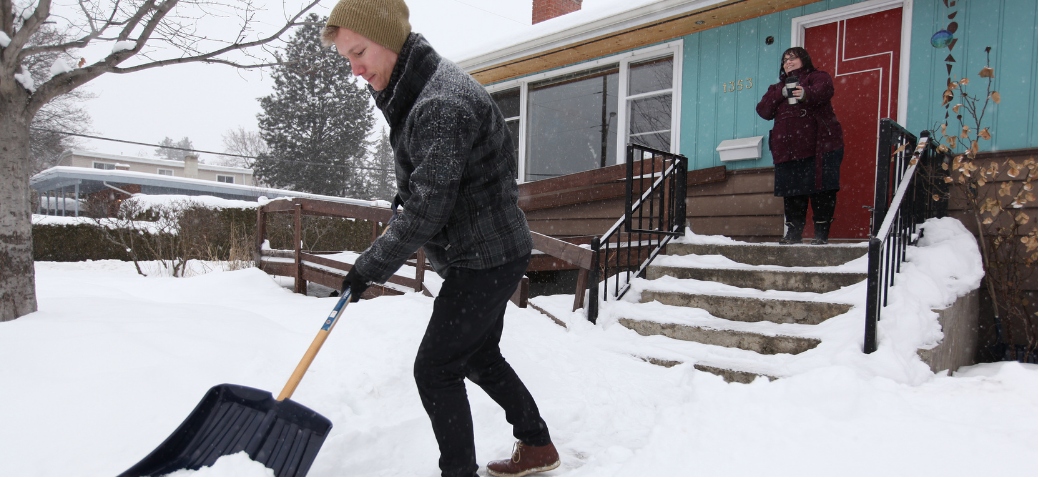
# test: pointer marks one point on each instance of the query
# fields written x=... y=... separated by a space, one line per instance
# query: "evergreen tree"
x=316 y=122
x=383 y=170
x=165 y=152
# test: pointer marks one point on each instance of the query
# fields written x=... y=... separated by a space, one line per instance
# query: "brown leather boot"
x=525 y=460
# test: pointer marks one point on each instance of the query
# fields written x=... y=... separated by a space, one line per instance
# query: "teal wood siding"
x=733 y=52
x=1010 y=28
x=738 y=51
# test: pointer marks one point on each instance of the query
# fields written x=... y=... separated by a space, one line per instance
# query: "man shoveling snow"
x=455 y=180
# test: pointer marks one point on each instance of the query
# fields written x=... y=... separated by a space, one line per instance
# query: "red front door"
x=863 y=56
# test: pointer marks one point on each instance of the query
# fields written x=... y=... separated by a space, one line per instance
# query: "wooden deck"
x=564 y=214
x=307 y=267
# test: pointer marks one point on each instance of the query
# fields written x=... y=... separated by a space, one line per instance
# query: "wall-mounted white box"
x=741 y=149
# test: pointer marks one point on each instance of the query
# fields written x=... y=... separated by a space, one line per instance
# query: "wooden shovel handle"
x=308 y=357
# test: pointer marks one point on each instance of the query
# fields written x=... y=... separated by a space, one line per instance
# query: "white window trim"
x=160 y=170
x=218 y=176
x=674 y=48
x=95 y=163
x=524 y=95
x=801 y=24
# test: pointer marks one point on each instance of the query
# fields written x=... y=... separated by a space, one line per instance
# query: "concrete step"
x=787 y=280
x=756 y=342
x=729 y=375
x=774 y=254
x=732 y=375
x=751 y=309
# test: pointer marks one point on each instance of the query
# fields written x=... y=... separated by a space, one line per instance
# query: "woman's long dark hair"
x=799 y=52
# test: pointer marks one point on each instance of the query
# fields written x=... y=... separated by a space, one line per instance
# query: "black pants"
x=823 y=204
x=462 y=342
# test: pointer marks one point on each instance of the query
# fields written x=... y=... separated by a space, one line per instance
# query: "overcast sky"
x=203 y=102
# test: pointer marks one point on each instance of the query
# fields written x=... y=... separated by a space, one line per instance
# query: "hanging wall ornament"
x=941 y=39
x=946 y=39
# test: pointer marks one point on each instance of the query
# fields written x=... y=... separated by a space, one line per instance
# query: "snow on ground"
x=112 y=362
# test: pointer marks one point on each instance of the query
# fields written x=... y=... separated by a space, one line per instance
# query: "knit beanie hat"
x=381 y=21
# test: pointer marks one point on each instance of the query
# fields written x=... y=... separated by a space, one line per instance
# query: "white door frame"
x=801 y=24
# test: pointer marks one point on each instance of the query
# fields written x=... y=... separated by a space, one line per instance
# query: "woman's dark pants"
x=822 y=203
x=801 y=181
x=462 y=342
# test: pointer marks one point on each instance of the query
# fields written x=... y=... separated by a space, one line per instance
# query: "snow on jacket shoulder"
x=455 y=169
x=807 y=128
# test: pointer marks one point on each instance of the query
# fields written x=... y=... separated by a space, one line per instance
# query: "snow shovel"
x=278 y=433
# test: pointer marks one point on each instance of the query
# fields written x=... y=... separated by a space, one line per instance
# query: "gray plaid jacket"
x=455 y=170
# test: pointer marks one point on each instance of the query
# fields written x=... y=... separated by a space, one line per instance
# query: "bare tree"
x=243 y=143
x=63 y=114
x=153 y=33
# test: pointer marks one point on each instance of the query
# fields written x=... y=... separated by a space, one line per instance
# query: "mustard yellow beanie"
x=381 y=21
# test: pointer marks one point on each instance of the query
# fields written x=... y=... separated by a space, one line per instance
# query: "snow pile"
x=38 y=219
x=110 y=223
x=946 y=261
x=692 y=238
x=147 y=201
x=237 y=465
x=4 y=40
x=123 y=46
x=112 y=362
x=24 y=78
x=59 y=67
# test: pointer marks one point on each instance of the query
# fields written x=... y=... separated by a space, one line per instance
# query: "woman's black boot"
x=796 y=218
x=821 y=232
x=794 y=233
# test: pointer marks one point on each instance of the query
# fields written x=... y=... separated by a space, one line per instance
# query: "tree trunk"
x=17 y=276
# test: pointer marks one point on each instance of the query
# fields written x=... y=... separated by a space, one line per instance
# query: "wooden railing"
x=569 y=253
x=309 y=267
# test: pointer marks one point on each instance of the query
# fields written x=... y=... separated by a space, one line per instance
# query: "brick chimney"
x=548 y=9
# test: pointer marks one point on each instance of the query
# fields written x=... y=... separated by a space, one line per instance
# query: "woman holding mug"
x=806 y=144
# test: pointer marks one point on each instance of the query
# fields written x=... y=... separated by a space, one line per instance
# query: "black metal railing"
x=910 y=188
x=654 y=213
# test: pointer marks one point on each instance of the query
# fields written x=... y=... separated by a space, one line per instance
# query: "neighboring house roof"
x=609 y=29
x=593 y=20
x=157 y=162
x=95 y=180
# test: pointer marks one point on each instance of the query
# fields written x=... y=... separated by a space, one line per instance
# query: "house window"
x=225 y=179
x=104 y=166
x=165 y=172
x=571 y=123
x=649 y=103
x=583 y=117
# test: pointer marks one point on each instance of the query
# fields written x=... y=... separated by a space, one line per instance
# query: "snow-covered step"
x=816 y=281
x=750 y=309
x=774 y=254
x=732 y=375
x=729 y=375
x=719 y=336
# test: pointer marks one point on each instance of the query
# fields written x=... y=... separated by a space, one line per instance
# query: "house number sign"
x=733 y=86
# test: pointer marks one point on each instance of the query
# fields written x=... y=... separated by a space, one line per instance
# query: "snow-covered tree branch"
x=77 y=41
